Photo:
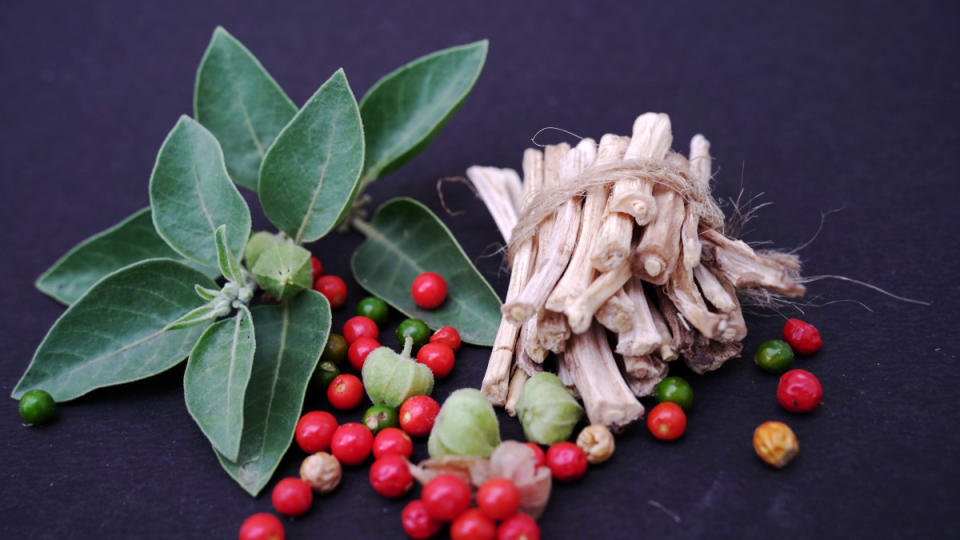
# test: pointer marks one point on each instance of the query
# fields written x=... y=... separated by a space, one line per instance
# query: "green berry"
x=413 y=328
x=380 y=417
x=37 y=407
x=774 y=356
x=335 y=350
x=675 y=390
x=324 y=374
x=375 y=309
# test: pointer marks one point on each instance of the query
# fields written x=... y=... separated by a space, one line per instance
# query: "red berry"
x=417 y=415
x=333 y=288
x=417 y=523
x=359 y=350
x=446 y=496
x=519 y=527
x=345 y=392
x=292 y=497
x=566 y=461
x=473 y=525
x=358 y=327
x=498 y=498
x=392 y=441
x=262 y=526
x=314 y=431
x=667 y=421
x=447 y=335
x=390 y=476
x=351 y=443
x=317 y=268
x=429 y=290
x=438 y=357
x=802 y=336
x=799 y=391
x=539 y=455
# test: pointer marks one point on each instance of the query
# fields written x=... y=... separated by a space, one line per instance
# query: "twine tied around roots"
x=546 y=201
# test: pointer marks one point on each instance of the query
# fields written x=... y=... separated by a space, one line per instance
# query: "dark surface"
x=818 y=107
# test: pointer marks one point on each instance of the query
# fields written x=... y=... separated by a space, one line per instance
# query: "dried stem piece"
x=517 y=381
x=581 y=308
x=561 y=242
x=643 y=373
x=643 y=337
x=667 y=352
x=606 y=397
x=612 y=245
x=684 y=294
x=616 y=314
x=552 y=331
x=700 y=165
x=495 y=379
x=652 y=137
x=745 y=268
x=494 y=187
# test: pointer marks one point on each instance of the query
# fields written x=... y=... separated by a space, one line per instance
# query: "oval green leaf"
x=132 y=240
x=406 y=109
x=309 y=176
x=216 y=378
x=191 y=195
x=290 y=338
x=115 y=333
x=241 y=104
x=406 y=239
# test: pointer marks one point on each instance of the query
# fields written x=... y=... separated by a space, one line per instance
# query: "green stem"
x=366 y=228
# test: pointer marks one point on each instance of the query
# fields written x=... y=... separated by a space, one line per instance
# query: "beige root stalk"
x=643 y=337
x=495 y=379
x=552 y=331
x=684 y=294
x=562 y=241
x=616 y=314
x=666 y=351
x=700 y=165
x=747 y=269
x=580 y=309
x=517 y=381
x=652 y=137
x=713 y=290
x=494 y=187
x=612 y=245
x=606 y=397
x=643 y=373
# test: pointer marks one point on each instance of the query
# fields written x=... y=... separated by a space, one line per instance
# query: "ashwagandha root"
x=626 y=238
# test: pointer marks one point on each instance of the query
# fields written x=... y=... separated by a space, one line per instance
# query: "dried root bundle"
x=619 y=265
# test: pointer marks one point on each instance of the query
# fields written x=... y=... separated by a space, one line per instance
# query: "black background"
x=819 y=106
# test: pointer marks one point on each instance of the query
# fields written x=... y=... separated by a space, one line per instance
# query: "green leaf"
x=309 y=177
x=240 y=103
x=406 y=109
x=216 y=378
x=115 y=333
x=203 y=314
x=132 y=240
x=229 y=266
x=205 y=293
x=290 y=338
x=191 y=195
x=407 y=239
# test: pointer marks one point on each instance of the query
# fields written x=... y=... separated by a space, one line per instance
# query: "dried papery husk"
x=616 y=313
x=612 y=245
x=652 y=137
x=581 y=308
x=566 y=225
x=496 y=378
x=606 y=397
x=547 y=411
x=643 y=337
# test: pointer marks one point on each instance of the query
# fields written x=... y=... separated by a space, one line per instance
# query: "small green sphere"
x=375 y=309
x=335 y=350
x=774 y=356
x=380 y=417
x=37 y=407
x=413 y=328
x=322 y=376
x=675 y=390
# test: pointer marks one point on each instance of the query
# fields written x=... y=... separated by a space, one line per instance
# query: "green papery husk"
x=546 y=410
x=466 y=426
x=256 y=245
x=391 y=378
x=284 y=270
